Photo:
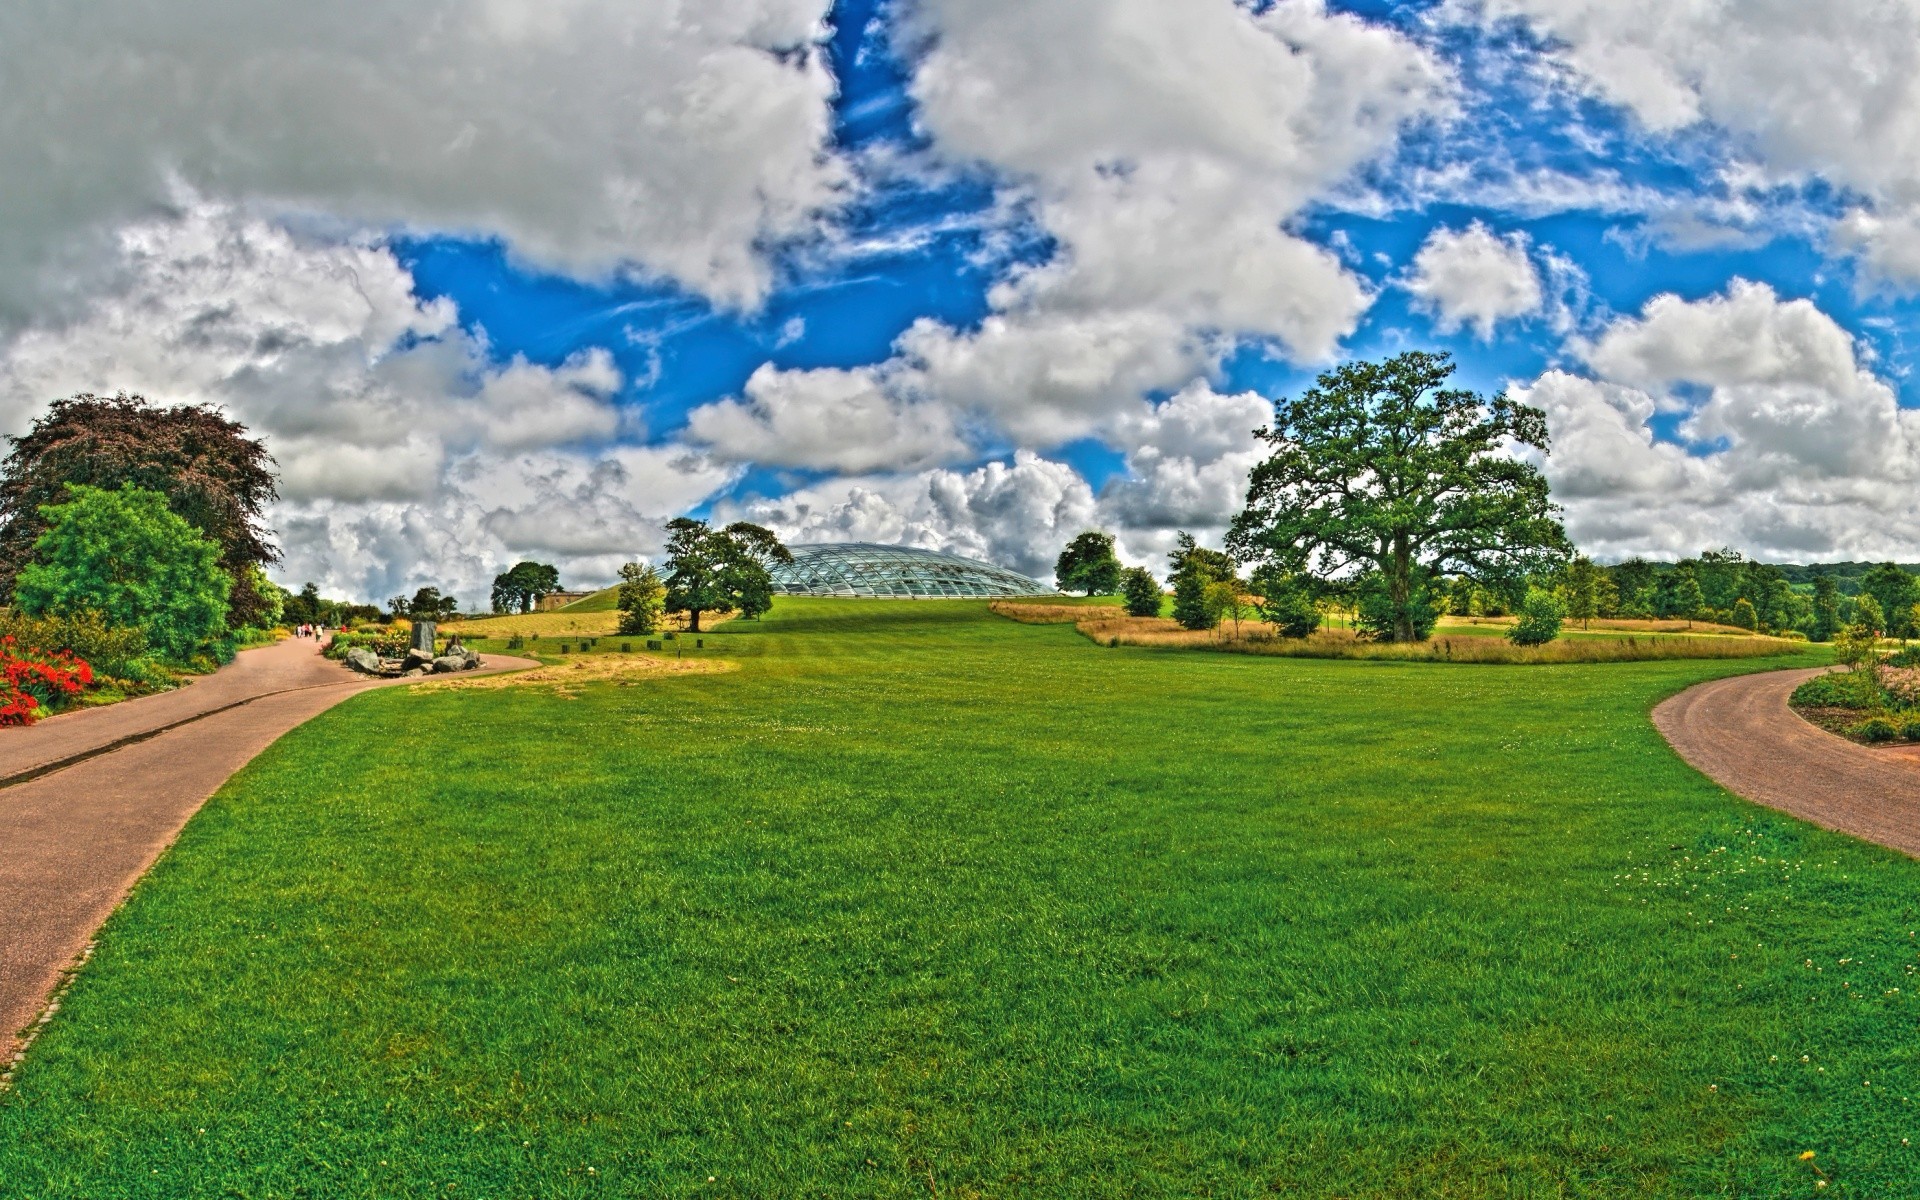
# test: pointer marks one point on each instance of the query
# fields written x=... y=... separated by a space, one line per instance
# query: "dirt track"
x=1740 y=733
x=75 y=837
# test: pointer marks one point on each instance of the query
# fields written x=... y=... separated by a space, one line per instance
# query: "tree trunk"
x=693 y=622
x=1400 y=589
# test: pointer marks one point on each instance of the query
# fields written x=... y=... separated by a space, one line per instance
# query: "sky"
x=498 y=279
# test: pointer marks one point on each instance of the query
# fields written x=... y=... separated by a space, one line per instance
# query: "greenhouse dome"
x=861 y=569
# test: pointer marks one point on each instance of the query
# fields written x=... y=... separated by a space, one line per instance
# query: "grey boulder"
x=448 y=663
x=364 y=661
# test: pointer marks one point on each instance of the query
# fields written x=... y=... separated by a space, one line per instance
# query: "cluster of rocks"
x=421 y=660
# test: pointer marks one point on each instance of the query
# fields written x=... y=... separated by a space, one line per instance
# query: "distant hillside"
x=1843 y=573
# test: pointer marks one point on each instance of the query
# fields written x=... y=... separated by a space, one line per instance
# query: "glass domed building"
x=862 y=569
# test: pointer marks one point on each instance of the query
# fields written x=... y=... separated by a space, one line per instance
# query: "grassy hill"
x=604 y=600
x=919 y=901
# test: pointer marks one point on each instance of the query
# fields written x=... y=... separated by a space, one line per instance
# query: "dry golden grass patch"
x=594 y=668
x=563 y=623
x=1109 y=626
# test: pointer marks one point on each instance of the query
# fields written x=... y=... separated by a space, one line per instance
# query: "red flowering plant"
x=34 y=681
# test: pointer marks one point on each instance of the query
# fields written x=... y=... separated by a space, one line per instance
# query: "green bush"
x=1540 y=617
x=1876 y=729
x=1844 y=689
x=1142 y=592
x=1910 y=727
x=1286 y=602
x=1378 y=616
x=113 y=651
x=123 y=555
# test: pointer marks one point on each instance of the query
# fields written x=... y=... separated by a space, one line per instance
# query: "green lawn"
x=921 y=902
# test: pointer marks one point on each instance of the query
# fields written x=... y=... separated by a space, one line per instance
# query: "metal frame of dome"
x=869 y=571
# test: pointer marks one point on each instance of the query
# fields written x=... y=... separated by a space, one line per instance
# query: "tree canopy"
x=125 y=555
x=427 y=604
x=720 y=570
x=1192 y=569
x=1088 y=565
x=1382 y=475
x=522 y=586
x=642 y=598
x=212 y=475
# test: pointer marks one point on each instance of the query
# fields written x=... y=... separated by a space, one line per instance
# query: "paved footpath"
x=1740 y=733
x=89 y=799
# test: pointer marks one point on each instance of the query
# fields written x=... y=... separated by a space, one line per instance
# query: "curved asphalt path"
x=1740 y=733
x=89 y=799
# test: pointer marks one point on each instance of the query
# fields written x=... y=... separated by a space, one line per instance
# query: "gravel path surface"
x=74 y=838
x=1740 y=733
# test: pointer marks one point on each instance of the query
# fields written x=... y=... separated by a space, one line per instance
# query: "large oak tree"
x=720 y=570
x=214 y=477
x=1384 y=477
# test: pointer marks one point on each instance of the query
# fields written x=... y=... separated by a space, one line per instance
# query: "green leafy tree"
x=125 y=555
x=273 y=598
x=1141 y=591
x=1088 y=565
x=1677 y=594
x=1540 y=616
x=1868 y=614
x=522 y=586
x=1385 y=613
x=1896 y=592
x=1286 y=601
x=642 y=599
x=1744 y=615
x=1193 y=568
x=1826 y=608
x=214 y=477
x=720 y=570
x=303 y=606
x=1580 y=587
x=1223 y=601
x=427 y=604
x=1382 y=469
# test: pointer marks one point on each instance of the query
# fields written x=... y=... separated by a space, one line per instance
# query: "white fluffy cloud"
x=831 y=419
x=1164 y=148
x=1799 y=451
x=406 y=456
x=1017 y=514
x=1829 y=89
x=1187 y=464
x=1475 y=278
x=589 y=134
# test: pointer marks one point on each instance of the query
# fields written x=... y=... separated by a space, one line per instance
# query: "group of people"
x=311 y=631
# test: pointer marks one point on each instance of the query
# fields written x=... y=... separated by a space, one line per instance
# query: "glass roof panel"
x=865 y=569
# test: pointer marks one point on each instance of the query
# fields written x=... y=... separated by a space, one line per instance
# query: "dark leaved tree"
x=1193 y=568
x=1141 y=592
x=521 y=587
x=1380 y=471
x=720 y=570
x=214 y=477
x=1088 y=565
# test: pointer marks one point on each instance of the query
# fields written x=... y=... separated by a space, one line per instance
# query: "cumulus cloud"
x=1830 y=89
x=829 y=419
x=1018 y=514
x=407 y=455
x=1164 y=148
x=589 y=134
x=1792 y=447
x=1187 y=463
x=1476 y=278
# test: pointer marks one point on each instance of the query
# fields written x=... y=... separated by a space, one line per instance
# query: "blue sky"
x=978 y=275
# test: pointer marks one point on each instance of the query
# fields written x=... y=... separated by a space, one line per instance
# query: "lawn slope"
x=923 y=902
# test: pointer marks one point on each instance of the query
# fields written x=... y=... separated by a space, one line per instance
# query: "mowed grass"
x=923 y=902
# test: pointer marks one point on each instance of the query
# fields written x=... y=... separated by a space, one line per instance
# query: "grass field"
x=921 y=902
